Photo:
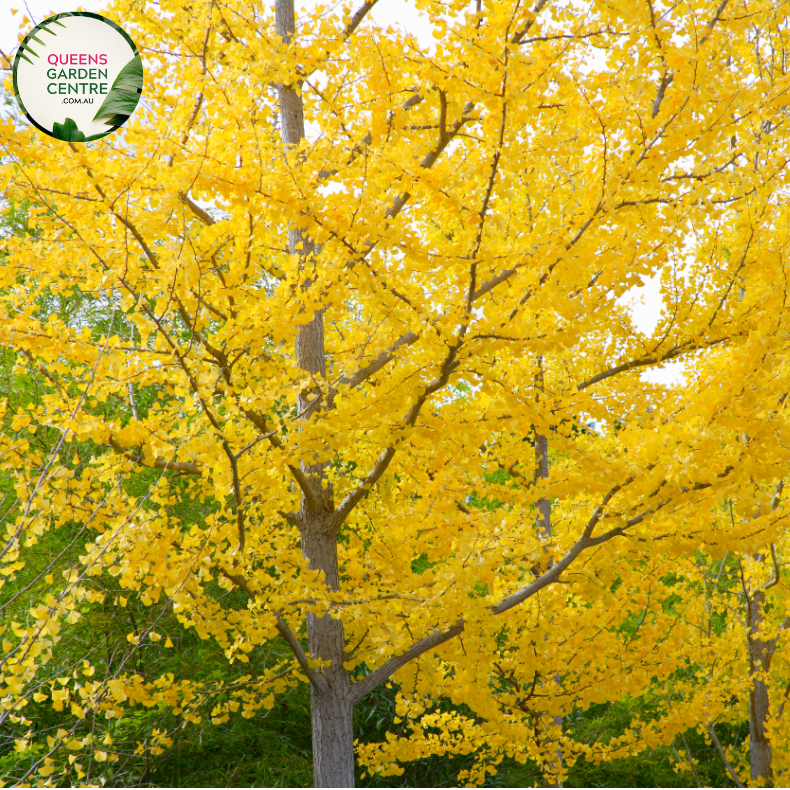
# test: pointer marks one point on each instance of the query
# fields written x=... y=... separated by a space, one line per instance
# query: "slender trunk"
x=331 y=702
x=543 y=505
x=543 y=524
x=332 y=708
x=760 y=654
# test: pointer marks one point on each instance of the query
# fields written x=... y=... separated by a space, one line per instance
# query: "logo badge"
x=78 y=76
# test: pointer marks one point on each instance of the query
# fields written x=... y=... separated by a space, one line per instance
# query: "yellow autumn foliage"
x=345 y=283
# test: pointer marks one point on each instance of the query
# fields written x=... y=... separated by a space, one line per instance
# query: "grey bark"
x=332 y=705
x=760 y=654
x=543 y=505
x=543 y=524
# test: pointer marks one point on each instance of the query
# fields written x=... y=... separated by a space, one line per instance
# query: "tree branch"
x=282 y=627
x=712 y=23
x=288 y=635
x=234 y=466
x=727 y=765
x=380 y=361
x=185 y=467
x=200 y=213
x=519 y=37
x=428 y=161
x=259 y=421
x=363 y=687
x=666 y=80
x=358 y=16
x=673 y=353
x=349 y=503
x=412 y=101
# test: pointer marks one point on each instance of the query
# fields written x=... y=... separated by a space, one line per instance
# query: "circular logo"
x=77 y=76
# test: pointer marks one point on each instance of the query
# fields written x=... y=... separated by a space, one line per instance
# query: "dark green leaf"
x=67 y=131
x=131 y=74
x=118 y=101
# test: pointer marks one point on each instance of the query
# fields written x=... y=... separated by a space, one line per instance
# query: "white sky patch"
x=669 y=374
x=647 y=307
x=645 y=304
x=402 y=14
x=38 y=11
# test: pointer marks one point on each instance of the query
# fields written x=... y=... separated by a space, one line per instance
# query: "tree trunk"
x=333 y=737
x=760 y=654
x=331 y=703
x=543 y=523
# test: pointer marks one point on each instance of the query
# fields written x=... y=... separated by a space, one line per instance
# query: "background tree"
x=349 y=337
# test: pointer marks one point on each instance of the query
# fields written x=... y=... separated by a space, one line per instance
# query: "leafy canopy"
x=465 y=219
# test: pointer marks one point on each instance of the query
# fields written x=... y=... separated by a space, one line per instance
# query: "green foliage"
x=67 y=131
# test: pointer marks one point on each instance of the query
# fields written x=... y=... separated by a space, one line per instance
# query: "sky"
x=387 y=12
x=645 y=302
x=38 y=11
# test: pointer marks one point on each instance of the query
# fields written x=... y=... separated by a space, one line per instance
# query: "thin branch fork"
x=282 y=627
x=358 y=16
x=518 y=38
x=185 y=467
x=384 y=358
x=668 y=77
x=208 y=220
x=653 y=359
x=259 y=421
x=152 y=259
x=712 y=23
x=325 y=173
x=349 y=503
x=666 y=80
x=446 y=136
x=189 y=323
x=296 y=648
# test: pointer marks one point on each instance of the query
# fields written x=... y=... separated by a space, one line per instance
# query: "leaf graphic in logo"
x=124 y=94
x=117 y=120
x=131 y=74
x=67 y=131
x=27 y=48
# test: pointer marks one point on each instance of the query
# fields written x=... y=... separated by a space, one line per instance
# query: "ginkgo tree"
x=377 y=284
x=735 y=610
